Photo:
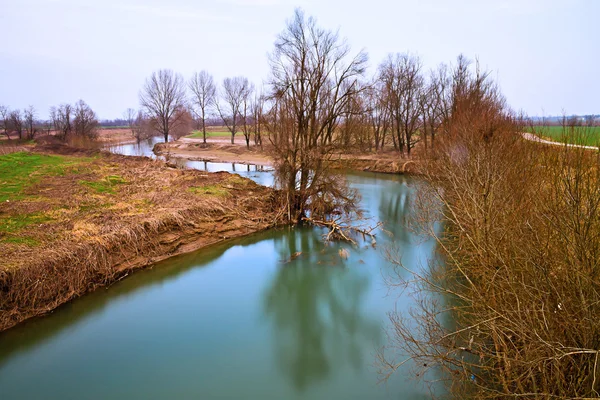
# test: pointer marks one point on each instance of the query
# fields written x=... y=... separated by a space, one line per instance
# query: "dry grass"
x=91 y=217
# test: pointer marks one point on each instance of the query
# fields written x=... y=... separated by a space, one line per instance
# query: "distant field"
x=590 y=136
x=199 y=135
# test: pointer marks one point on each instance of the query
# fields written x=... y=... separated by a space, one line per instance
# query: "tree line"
x=401 y=105
x=66 y=121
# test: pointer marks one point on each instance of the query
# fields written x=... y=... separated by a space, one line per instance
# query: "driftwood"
x=342 y=229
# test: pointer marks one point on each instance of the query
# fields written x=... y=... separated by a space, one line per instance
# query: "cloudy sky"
x=544 y=53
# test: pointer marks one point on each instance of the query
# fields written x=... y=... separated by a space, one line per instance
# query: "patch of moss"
x=107 y=185
x=211 y=190
x=237 y=180
x=27 y=241
x=15 y=223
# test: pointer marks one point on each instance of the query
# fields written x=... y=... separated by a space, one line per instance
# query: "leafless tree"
x=163 y=98
x=258 y=117
x=233 y=93
x=436 y=103
x=85 y=122
x=377 y=113
x=16 y=122
x=62 y=120
x=29 y=116
x=5 y=120
x=203 y=90
x=354 y=129
x=246 y=113
x=184 y=125
x=403 y=83
x=130 y=116
x=313 y=77
x=137 y=124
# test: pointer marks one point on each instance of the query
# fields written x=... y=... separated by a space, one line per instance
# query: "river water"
x=239 y=320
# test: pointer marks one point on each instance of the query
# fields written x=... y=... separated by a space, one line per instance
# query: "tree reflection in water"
x=394 y=211
x=315 y=304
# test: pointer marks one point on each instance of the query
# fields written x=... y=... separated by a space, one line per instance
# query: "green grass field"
x=587 y=136
x=199 y=135
x=21 y=170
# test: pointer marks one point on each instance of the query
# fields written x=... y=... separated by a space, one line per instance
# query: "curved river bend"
x=240 y=320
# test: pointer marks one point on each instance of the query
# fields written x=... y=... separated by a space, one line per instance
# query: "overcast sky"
x=544 y=53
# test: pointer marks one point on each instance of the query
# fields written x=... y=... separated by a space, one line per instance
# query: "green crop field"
x=587 y=136
x=199 y=135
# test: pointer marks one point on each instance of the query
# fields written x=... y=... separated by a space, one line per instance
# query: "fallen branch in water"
x=342 y=229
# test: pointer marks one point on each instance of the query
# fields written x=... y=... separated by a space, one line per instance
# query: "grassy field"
x=51 y=198
x=199 y=134
x=587 y=136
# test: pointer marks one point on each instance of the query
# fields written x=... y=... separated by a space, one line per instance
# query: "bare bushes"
x=512 y=309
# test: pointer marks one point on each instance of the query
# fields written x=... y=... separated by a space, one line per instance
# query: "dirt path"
x=534 y=138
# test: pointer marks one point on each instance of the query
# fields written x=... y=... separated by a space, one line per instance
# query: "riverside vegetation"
x=512 y=310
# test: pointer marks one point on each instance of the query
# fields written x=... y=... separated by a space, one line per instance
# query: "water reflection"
x=143 y=148
x=394 y=210
x=317 y=314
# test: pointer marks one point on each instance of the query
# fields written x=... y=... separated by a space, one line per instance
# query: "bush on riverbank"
x=521 y=250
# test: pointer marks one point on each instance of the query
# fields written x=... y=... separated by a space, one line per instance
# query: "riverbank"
x=74 y=220
x=221 y=150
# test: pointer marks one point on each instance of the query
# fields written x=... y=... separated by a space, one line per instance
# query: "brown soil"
x=105 y=215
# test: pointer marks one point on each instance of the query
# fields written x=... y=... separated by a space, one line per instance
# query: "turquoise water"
x=240 y=320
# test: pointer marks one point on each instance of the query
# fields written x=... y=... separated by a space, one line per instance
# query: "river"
x=239 y=320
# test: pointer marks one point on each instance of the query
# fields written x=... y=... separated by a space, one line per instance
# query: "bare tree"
x=377 y=113
x=435 y=103
x=258 y=116
x=401 y=75
x=5 y=120
x=234 y=91
x=163 y=98
x=85 y=122
x=130 y=116
x=137 y=124
x=62 y=120
x=313 y=77
x=16 y=122
x=29 y=116
x=184 y=125
x=203 y=90
x=246 y=113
